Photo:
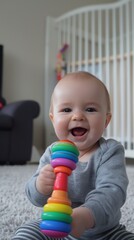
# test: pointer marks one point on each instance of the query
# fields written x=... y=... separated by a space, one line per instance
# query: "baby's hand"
x=82 y=221
x=45 y=180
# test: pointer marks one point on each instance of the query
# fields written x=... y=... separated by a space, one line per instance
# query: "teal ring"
x=65 y=147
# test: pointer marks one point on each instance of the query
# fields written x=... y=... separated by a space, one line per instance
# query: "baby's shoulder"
x=110 y=145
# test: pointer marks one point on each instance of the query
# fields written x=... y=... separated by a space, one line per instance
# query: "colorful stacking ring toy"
x=56 y=216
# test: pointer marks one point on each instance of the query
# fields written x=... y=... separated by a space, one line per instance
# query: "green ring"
x=62 y=217
x=65 y=147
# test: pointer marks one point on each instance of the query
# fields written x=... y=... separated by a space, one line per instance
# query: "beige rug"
x=16 y=209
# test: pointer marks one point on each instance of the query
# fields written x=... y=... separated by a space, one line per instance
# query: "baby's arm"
x=111 y=181
x=108 y=184
x=82 y=220
x=39 y=186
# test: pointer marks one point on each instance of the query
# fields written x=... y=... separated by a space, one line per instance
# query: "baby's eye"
x=67 y=110
x=91 y=109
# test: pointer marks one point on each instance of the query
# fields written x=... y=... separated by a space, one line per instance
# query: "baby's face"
x=79 y=111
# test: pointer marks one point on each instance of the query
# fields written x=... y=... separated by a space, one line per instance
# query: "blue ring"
x=64 y=154
x=55 y=226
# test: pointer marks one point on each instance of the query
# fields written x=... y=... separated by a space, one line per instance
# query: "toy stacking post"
x=56 y=217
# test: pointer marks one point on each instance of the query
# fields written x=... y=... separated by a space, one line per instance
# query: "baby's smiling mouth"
x=78 y=131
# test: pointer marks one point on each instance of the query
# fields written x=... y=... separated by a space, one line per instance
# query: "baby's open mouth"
x=78 y=131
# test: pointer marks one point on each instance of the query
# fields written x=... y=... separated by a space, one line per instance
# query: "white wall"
x=22 y=32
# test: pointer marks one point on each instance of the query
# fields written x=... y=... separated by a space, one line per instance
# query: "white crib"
x=101 y=41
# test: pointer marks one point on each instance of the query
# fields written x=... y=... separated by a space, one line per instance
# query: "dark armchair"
x=16 y=131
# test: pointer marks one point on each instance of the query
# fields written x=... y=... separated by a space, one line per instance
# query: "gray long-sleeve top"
x=99 y=184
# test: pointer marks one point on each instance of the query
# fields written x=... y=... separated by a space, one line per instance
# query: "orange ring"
x=59 y=196
x=67 y=141
x=62 y=201
x=63 y=169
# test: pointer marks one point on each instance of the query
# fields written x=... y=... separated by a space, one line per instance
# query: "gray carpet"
x=15 y=208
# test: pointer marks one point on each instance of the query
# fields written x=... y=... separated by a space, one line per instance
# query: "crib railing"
x=101 y=41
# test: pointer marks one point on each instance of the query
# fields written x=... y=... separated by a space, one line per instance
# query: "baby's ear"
x=51 y=116
x=108 y=119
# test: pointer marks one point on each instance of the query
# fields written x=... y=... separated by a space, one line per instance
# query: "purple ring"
x=55 y=234
x=63 y=162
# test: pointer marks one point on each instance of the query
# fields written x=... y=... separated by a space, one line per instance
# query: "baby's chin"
x=80 y=145
x=86 y=146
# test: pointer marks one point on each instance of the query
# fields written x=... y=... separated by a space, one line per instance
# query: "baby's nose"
x=78 y=116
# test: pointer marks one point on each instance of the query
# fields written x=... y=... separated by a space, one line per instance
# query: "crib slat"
x=65 y=39
x=114 y=75
x=128 y=78
x=80 y=42
x=93 y=41
x=68 y=42
x=107 y=61
x=122 y=80
x=86 y=41
x=100 y=42
x=64 y=31
x=73 y=42
x=59 y=35
x=132 y=21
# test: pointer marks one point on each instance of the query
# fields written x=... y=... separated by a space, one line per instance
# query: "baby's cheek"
x=59 y=130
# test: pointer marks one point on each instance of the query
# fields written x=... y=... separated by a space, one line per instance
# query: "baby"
x=80 y=111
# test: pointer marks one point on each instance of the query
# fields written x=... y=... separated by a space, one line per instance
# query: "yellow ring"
x=56 y=207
